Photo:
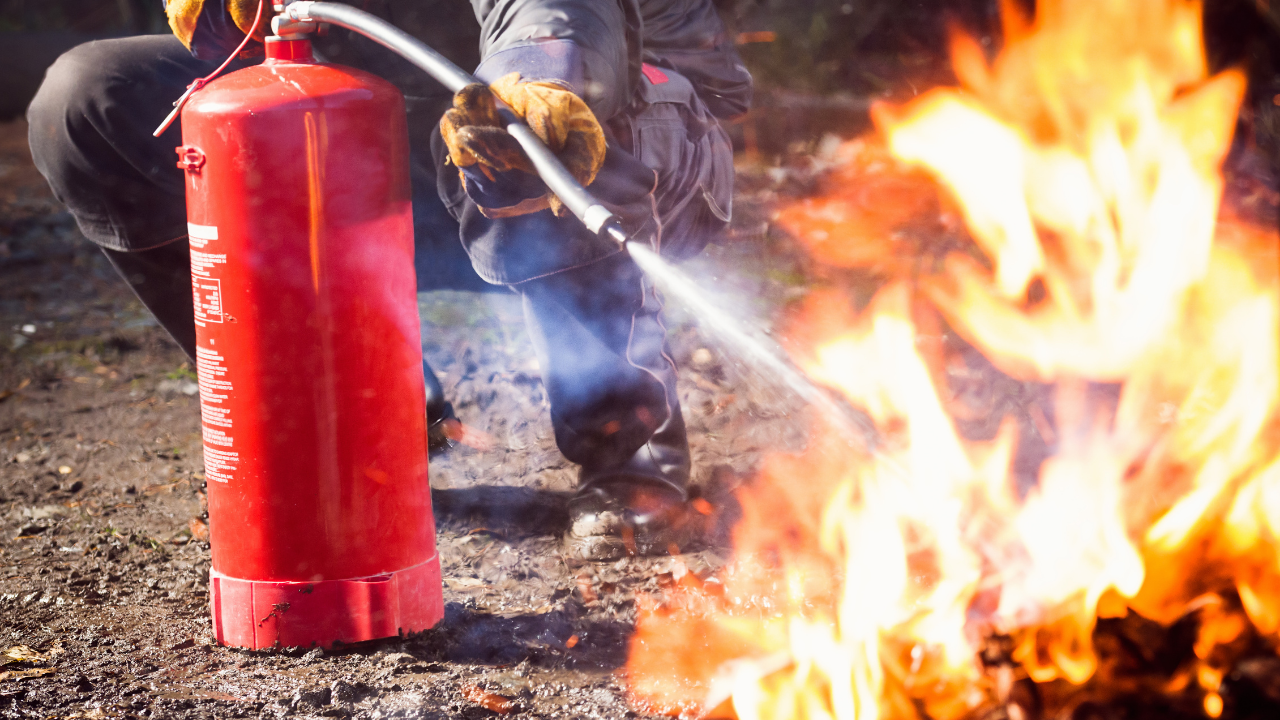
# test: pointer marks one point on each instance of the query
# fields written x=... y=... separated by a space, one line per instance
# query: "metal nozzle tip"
x=616 y=234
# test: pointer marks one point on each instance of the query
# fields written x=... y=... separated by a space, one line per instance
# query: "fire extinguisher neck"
x=289 y=50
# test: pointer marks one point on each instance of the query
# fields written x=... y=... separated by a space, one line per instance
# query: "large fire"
x=1127 y=462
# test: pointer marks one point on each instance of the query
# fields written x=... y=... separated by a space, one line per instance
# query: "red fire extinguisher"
x=309 y=355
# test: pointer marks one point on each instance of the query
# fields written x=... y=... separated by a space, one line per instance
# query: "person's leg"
x=90 y=130
x=161 y=279
x=90 y=134
x=599 y=337
x=439 y=261
x=611 y=384
x=597 y=329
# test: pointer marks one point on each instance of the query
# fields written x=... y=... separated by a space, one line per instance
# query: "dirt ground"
x=103 y=554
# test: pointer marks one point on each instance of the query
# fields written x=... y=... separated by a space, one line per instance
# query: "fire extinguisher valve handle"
x=286 y=28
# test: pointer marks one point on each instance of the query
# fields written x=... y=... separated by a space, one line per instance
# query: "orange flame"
x=1134 y=333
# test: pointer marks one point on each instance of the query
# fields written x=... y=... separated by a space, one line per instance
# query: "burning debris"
x=1102 y=527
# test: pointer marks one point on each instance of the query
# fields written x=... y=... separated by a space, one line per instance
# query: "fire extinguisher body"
x=309 y=355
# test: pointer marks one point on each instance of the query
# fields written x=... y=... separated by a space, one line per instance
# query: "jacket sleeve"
x=689 y=36
x=591 y=45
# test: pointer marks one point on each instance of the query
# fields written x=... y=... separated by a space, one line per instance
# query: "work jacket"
x=600 y=48
x=597 y=46
x=657 y=74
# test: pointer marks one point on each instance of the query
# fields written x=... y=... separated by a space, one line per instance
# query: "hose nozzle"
x=614 y=232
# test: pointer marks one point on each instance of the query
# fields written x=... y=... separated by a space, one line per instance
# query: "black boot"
x=639 y=507
x=439 y=410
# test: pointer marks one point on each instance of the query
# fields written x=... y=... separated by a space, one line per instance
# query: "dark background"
x=813 y=59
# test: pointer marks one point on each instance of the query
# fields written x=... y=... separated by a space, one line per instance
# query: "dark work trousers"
x=597 y=328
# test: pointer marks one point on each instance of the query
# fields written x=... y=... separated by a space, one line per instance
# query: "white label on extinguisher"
x=219 y=464
x=220 y=457
x=220 y=460
x=206 y=289
x=198 y=235
x=207 y=297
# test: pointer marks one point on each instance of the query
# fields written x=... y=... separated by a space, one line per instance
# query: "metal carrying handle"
x=305 y=14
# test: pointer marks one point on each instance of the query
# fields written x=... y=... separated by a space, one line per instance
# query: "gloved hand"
x=495 y=171
x=212 y=29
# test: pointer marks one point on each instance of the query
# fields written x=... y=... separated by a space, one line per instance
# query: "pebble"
x=343 y=692
x=186 y=387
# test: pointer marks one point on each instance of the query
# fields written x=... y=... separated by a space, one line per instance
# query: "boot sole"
x=613 y=547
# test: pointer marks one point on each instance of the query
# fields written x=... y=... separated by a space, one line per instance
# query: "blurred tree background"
x=86 y=16
x=815 y=60
x=848 y=46
x=859 y=47
x=826 y=46
x=817 y=63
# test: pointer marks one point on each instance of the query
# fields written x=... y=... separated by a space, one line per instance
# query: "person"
x=630 y=94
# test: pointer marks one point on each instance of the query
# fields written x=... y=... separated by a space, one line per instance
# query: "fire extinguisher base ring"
x=263 y=614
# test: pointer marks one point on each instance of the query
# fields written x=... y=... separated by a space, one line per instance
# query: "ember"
x=1076 y=403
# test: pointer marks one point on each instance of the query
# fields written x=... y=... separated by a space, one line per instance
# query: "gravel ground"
x=103 y=554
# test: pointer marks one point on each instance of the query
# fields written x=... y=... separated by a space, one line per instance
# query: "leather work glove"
x=212 y=29
x=495 y=171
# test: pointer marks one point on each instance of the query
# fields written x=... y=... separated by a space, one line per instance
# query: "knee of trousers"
x=70 y=96
x=97 y=94
x=90 y=125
